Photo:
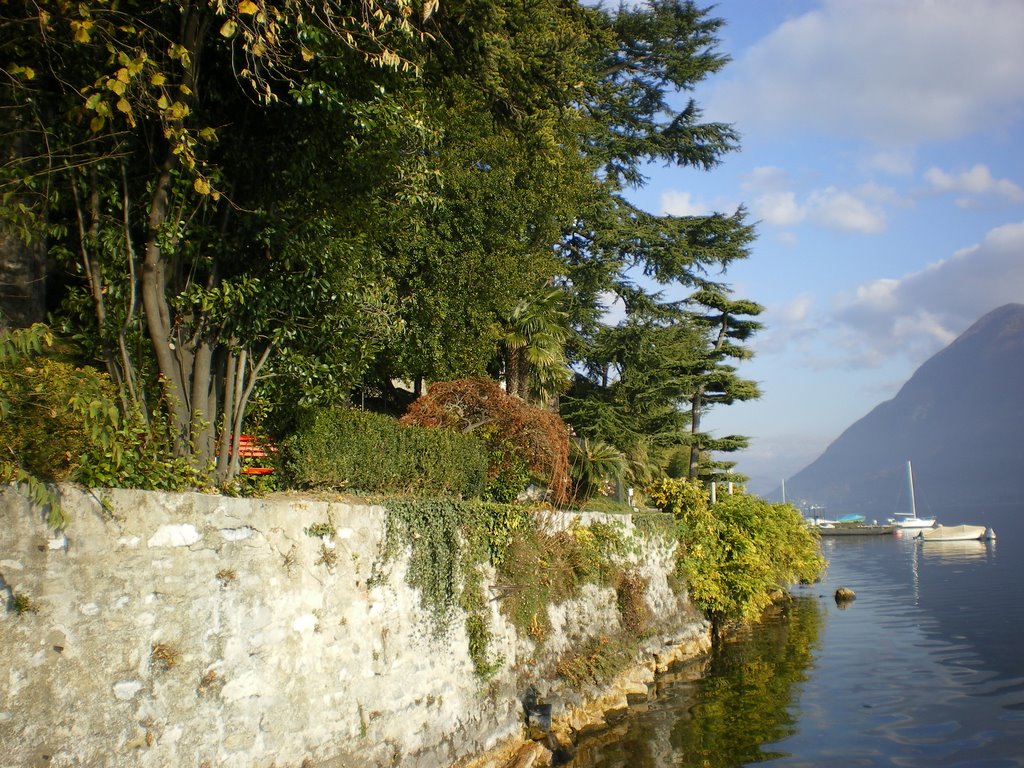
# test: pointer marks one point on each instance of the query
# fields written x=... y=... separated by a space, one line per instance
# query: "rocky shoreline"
x=552 y=728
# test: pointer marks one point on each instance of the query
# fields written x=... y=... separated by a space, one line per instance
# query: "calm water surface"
x=925 y=668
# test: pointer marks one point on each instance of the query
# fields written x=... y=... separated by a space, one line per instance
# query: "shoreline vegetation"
x=382 y=247
x=449 y=476
x=542 y=563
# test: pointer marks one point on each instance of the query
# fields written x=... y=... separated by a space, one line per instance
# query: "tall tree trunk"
x=155 y=281
x=202 y=415
x=695 y=407
x=523 y=384
x=697 y=404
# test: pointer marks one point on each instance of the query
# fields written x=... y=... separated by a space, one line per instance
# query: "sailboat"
x=910 y=519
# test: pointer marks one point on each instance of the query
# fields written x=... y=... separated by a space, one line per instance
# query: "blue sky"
x=883 y=161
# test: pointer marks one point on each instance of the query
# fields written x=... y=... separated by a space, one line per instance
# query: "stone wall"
x=200 y=630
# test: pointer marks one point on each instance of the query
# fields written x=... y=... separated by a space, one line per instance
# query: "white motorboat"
x=905 y=520
x=956 y=533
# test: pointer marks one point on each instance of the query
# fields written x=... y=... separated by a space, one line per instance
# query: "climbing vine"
x=449 y=541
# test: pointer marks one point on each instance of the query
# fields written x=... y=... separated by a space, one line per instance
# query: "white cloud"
x=778 y=209
x=898 y=72
x=845 y=211
x=880 y=193
x=796 y=311
x=676 y=203
x=895 y=162
x=977 y=180
x=919 y=313
x=836 y=209
x=786 y=324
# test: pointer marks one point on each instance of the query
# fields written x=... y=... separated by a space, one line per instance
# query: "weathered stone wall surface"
x=201 y=630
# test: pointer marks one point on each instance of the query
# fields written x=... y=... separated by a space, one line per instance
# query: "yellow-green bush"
x=737 y=552
x=64 y=423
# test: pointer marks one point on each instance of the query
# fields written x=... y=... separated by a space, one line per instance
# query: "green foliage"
x=478 y=631
x=325 y=528
x=726 y=323
x=606 y=504
x=593 y=464
x=736 y=554
x=449 y=540
x=62 y=423
x=508 y=473
x=192 y=263
x=542 y=568
x=630 y=597
x=349 y=449
x=22 y=604
x=597 y=661
x=409 y=195
x=432 y=528
x=685 y=499
x=635 y=395
x=655 y=525
x=533 y=340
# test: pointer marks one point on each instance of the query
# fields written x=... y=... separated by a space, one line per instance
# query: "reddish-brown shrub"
x=540 y=437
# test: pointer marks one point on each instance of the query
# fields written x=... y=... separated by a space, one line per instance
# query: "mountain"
x=959 y=419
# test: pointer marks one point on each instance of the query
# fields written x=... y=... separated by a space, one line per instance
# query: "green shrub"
x=538 y=569
x=597 y=661
x=594 y=463
x=63 y=423
x=362 y=451
x=737 y=553
x=508 y=474
x=630 y=596
x=679 y=496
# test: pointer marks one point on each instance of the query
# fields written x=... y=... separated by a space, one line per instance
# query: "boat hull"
x=855 y=529
x=954 y=533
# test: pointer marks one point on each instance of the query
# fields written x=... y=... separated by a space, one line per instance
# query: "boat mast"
x=910 y=482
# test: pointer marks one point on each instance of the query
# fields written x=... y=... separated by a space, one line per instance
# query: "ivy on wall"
x=449 y=540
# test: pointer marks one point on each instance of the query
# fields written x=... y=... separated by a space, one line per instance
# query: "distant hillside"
x=959 y=419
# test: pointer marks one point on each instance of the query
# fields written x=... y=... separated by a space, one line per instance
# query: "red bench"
x=250 y=447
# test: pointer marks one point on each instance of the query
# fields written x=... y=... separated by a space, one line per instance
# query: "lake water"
x=925 y=668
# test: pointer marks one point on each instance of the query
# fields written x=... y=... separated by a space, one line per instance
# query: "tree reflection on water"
x=719 y=711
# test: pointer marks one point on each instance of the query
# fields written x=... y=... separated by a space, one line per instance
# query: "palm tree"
x=594 y=463
x=533 y=346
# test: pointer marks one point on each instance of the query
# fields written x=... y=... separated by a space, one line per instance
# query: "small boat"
x=910 y=519
x=956 y=533
x=855 y=529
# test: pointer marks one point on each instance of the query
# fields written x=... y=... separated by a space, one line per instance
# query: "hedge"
x=362 y=451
